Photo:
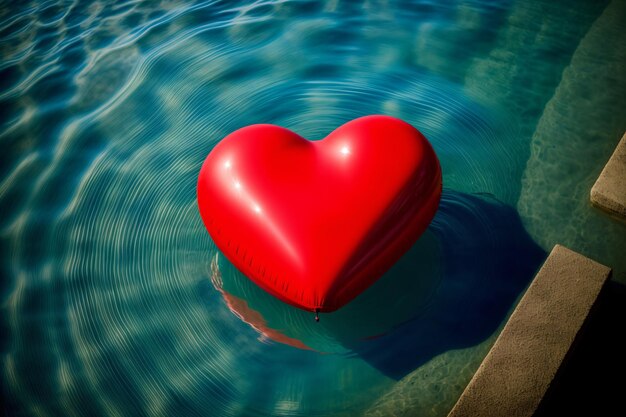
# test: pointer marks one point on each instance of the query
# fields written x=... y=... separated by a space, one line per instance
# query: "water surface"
x=116 y=302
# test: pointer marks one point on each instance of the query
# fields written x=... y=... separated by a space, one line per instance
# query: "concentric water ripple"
x=116 y=302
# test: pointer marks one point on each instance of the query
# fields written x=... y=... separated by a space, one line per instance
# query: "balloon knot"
x=317 y=314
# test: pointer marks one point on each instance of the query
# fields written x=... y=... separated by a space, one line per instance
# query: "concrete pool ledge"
x=609 y=191
x=521 y=365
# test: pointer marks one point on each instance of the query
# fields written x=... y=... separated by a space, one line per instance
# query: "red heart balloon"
x=316 y=222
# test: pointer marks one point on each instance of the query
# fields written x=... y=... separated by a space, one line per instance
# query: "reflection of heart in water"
x=376 y=311
x=452 y=289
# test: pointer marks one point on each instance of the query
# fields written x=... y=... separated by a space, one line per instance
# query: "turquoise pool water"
x=115 y=301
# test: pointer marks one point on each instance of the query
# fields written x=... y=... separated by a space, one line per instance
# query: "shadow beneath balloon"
x=487 y=259
x=451 y=290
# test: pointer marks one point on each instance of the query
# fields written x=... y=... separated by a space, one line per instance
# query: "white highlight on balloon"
x=265 y=218
x=345 y=150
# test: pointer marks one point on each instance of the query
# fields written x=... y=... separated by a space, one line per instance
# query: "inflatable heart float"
x=315 y=223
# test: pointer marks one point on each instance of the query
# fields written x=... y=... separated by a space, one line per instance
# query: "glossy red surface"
x=316 y=222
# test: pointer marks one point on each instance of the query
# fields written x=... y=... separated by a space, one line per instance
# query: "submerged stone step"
x=521 y=365
x=574 y=138
x=609 y=191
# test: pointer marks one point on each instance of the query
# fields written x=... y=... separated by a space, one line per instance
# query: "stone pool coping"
x=520 y=367
x=609 y=191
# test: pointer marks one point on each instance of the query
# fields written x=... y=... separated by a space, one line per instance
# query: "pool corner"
x=609 y=191
x=522 y=364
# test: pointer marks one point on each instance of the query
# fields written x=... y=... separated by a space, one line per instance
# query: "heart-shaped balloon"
x=316 y=222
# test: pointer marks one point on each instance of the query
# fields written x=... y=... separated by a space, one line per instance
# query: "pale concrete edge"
x=604 y=204
x=612 y=178
x=572 y=348
x=467 y=391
